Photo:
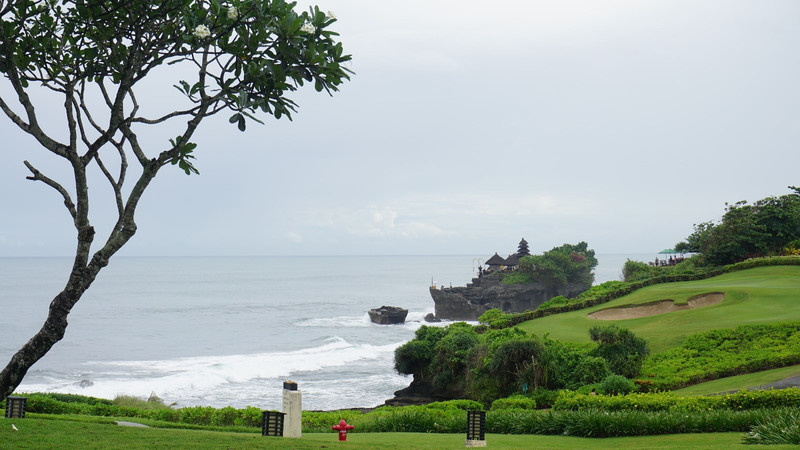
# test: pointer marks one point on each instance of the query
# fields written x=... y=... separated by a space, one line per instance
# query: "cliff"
x=487 y=292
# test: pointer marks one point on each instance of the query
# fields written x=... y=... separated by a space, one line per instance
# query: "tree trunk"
x=51 y=332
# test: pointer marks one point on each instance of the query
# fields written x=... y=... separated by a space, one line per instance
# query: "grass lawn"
x=738 y=382
x=753 y=296
x=42 y=434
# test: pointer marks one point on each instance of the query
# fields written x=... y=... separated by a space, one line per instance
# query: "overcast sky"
x=472 y=124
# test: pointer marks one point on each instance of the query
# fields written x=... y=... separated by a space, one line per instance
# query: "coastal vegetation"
x=569 y=263
x=574 y=415
x=625 y=345
x=565 y=370
x=770 y=226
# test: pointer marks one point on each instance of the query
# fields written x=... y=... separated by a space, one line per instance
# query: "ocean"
x=222 y=331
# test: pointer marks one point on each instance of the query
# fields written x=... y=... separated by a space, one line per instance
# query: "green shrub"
x=637 y=270
x=624 y=351
x=544 y=398
x=783 y=429
x=462 y=404
x=555 y=302
x=590 y=370
x=599 y=423
x=513 y=363
x=725 y=352
x=516 y=277
x=561 y=265
x=616 y=384
x=225 y=417
x=197 y=415
x=514 y=402
x=129 y=401
x=668 y=401
x=452 y=354
x=415 y=356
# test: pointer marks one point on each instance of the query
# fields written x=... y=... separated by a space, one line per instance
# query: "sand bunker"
x=655 y=308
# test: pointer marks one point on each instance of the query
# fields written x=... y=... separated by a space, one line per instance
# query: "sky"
x=467 y=126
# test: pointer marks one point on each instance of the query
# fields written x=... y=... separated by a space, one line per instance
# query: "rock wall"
x=487 y=292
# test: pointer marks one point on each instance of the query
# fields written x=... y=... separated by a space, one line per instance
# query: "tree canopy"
x=91 y=57
x=766 y=227
x=561 y=265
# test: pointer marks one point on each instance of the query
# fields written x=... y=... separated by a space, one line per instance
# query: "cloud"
x=294 y=237
x=372 y=221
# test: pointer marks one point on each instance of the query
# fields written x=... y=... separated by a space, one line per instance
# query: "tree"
x=624 y=351
x=747 y=230
x=561 y=265
x=244 y=56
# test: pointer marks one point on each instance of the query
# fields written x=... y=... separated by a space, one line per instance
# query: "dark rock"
x=431 y=318
x=85 y=383
x=468 y=303
x=388 y=315
x=421 y=392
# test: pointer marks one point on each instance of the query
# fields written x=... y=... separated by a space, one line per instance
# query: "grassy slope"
x=40 y=433
x=760 y=295
x=738 y=382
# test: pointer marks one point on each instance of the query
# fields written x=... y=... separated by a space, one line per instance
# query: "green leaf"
x=242 y=124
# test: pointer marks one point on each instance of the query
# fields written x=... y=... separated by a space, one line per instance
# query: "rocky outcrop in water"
x=487 y=292
x=388 y=315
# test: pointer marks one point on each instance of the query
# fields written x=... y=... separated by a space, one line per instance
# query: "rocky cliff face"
x=487 y=292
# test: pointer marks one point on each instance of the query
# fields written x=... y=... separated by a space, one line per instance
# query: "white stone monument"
x=293 y=408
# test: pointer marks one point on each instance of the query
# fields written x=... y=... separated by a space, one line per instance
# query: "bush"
x=668 y=401
x=725 y=352
x=514 y=402
x=783 y=429
x=462 y=404
x=624 y=351
x=616 y=384
x=516 y=277
x=544 y=398
x=561 y=265
x=415 y=356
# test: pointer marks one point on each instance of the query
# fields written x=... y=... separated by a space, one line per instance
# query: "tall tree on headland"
x=90 y=56
x=762 y=228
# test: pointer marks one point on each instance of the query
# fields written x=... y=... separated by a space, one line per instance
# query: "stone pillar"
x=293 y=408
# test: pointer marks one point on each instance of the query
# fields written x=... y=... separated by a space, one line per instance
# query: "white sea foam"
x=200 y=376
x=339 y=321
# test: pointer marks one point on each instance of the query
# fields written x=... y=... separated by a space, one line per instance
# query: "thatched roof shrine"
x=512 y=260
x=495 y=261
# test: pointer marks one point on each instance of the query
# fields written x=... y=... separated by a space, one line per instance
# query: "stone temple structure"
x=487 y=291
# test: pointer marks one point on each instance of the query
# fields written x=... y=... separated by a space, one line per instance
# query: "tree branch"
x=38 y=176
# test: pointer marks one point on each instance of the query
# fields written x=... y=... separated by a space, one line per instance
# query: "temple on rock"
x=486 y=291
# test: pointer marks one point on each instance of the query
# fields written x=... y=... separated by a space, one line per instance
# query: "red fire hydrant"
x=342 y=428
